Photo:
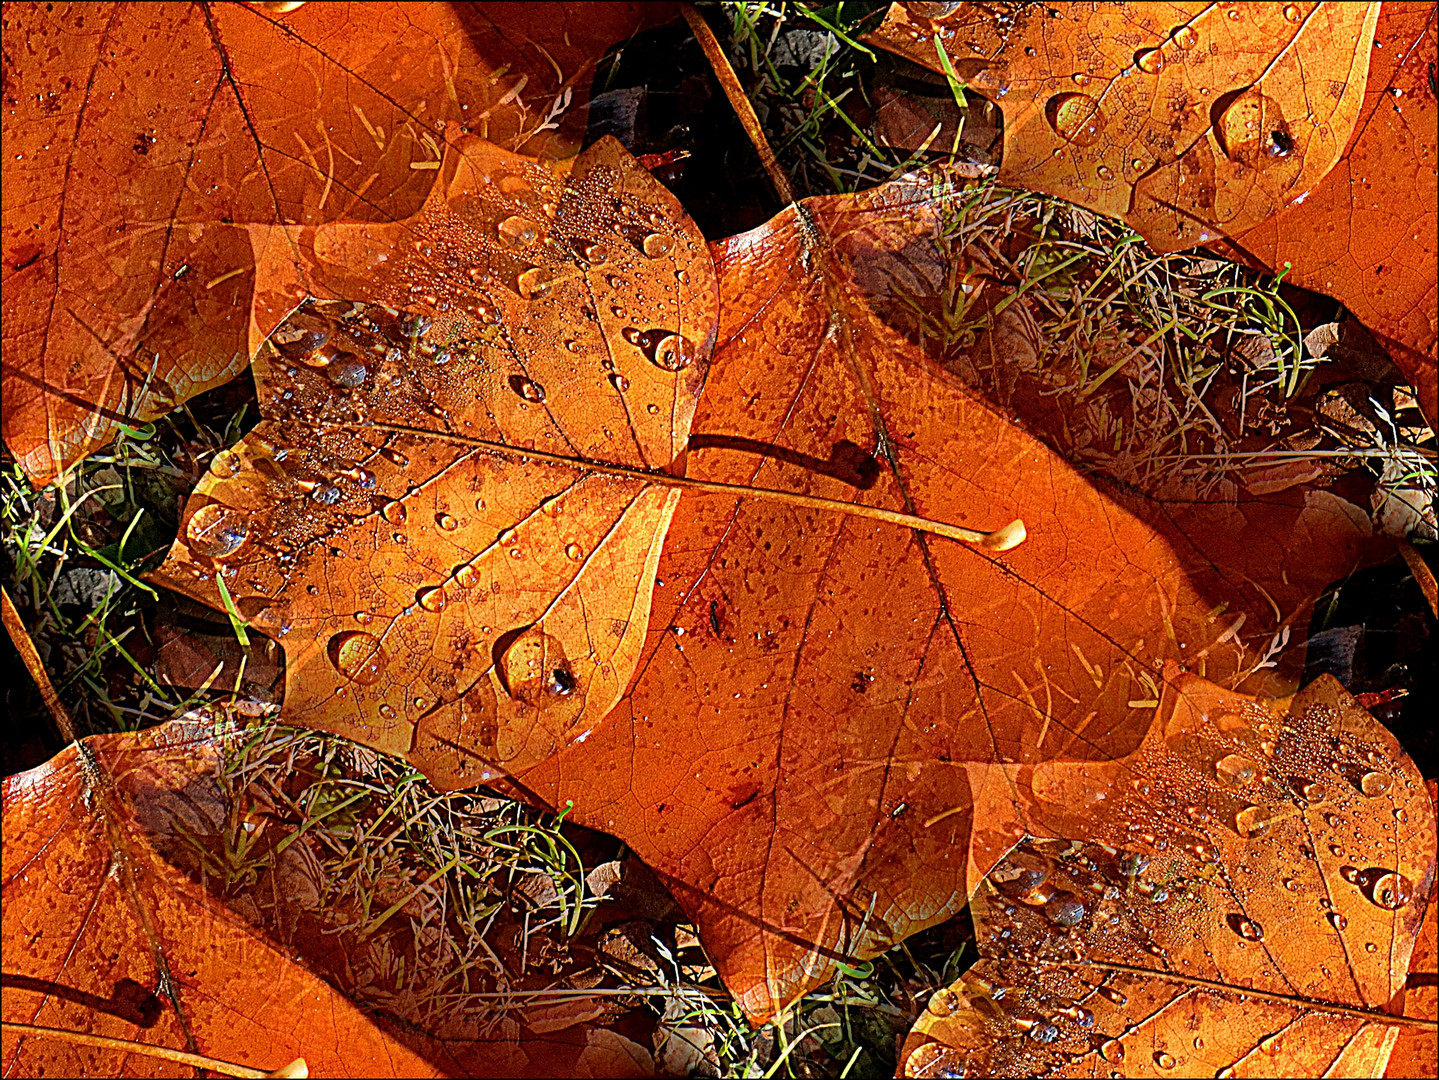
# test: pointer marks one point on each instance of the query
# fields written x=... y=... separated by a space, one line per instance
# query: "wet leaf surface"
x=439 y=593
x=141 y=140
x=1217 y=919
x=814 y=750
x=1189 y=121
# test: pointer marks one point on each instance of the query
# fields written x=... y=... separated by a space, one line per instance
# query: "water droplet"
x=1312 y=792
x=1112 y=1050
x=574 y=552
x=944 y=1002
x=415 y=325
x=1252 y=821
x=466 y=577
x=1186 y=37
x=536 y=282
x=666 y=350
x=1113 y=996
x=1248 y=929
x=1149 y=61
x=394 y=512
x=1079 y=78
x=1350 y=874
x=1163 y=1060
x=1401 y=815
x=652 y=408
x=326 y=494
x=1076 y=118
x=1369 y=946
x=1337 y=920
x=394 y=457
x=518 y=231
x=595 y=254
x=657 y=245
x=1333 y=820
x=216 y=531
x=530 y=390
x=1065 y=909
x=346 y=371
x=446 y=522
x=1043 y=1032
x=357 y=656
x=1292 y=13
x=619 y=382
x=226 y=464
x=1391 y=891
x=934 y=1059
x=432 y=598
x=1105 y=173
x=1234 y=769
x=1374 y=784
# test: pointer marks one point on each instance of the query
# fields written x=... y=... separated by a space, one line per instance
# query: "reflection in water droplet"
x=225 y=464
x=1076 y=118
x=1249 y=929
x=346 y=371
x=1163 y=1060
x=1065 y=909
x=216 y=531
x=1186 y=37
x=944 y=1002
x=1105 y=173
x=446 y=522
x=619 y=382
x=1292 y=13
x=536 y=282
x=518 y=231
x=1337 y=920
x=530 y=390
x=657 y=245
x=1234 y=769
x=574 y=552
x=1374 y=784
x=1391 y=891
x=1079 y=78
x=1112 y=1050
x=432 y=598
x=357 y=656
x=394 y=512
x=1252 y=821
x=466 y=577
x=1149 y=61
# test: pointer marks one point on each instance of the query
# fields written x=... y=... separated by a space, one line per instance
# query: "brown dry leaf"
x=1366 y=234
x=141 y=138
x=1188 y=120
x=424 y=519
x=1244 y=903
x=1414 y=1051
x=102 y=935
x=815 y=752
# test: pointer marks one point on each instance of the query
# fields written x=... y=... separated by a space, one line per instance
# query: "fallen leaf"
x=813 y=753
x=435 y=517
x=1365 y=234
x=1415 y=1047
x=1188 y=120
x=141 y=139
x=104 y=936
x=1246 y=905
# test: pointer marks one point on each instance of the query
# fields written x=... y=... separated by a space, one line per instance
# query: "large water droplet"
x=1292 y=13
x=1112 y=1051
x=670 y=352
x=518 y=231
x=944 y=1002
x=1163 y=1060
x=1252 y=821
x=619 y=382
x=1248 y=929
x=656 y=245
x=225 y=464
x=301 y=333
x=1186 y=37
x=432 y=598
x=1374 y=784
x=1065 y=909
x=1338 y=920
x=1391 y=891
x=446 y=522
x=394 y=512
x=530 y=390
x=358 y=656
x=216 y=531
x=1076 y=118
x=1252 y=130
x=574 y=552
x=536 y=282
x=346 y=371
x=1149 y=61
x=1235 y=769
x=466 y=577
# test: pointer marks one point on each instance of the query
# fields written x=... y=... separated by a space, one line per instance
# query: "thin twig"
x=296 y=1068
x=31 y=658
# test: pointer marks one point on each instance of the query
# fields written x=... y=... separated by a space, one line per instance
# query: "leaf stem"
x=295 y=1069
x=1010 y=536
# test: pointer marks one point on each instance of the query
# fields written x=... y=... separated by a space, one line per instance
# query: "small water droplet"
x=652 y=408
x=387 y=712
x=619 y=382
x=518 y=231
x=1313 y=792
x=1291 y=884
x=1401 y=815
x=1198 y=1042
x=1079 y=78
x=1350 y=874
x=1065 y=909
x=446 y=522
x=1149 y=61
x=536 y=282
x=394 y=512
x=530 y=390
x=216 y=531
x=1391 y=891
x=1105 y=173
x=1374 y=784
x=226 y=464
x=1337 y=920
x=432 y=598
x=1248 y=929
x=1163 y=1060
x=357 y=656
x=574 y=552
x=1292 y=13
x=1369 y=946
x=944 y=1002
x=1186 y=37
x=1076 y=118
x=657 y=245
x=1113 y=995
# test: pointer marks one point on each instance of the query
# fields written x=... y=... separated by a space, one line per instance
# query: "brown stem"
x=1010 y=536
x=296 y=1068
x=31 y=658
